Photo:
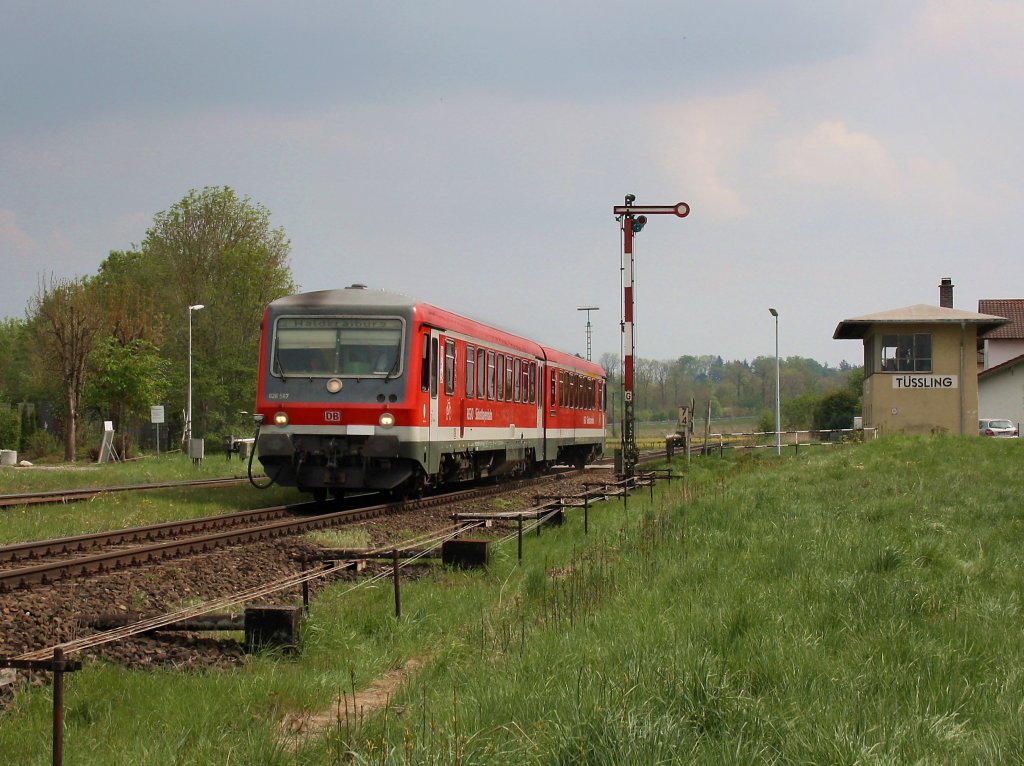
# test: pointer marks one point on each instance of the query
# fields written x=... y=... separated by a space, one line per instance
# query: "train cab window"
x=449 y=366
x=470 y=371
x=481 y=373
x=331 y=346
x=519 y=380
x=490 y=374
x=501 y=377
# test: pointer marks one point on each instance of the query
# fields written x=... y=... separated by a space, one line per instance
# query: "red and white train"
x=364 y=389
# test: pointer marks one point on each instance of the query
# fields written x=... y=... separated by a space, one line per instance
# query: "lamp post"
x=778 y=409
x=588 y=309
x=188 y=415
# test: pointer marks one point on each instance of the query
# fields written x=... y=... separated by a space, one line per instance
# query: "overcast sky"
x=839 y=158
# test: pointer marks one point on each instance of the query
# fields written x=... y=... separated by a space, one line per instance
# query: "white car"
x=997 y=427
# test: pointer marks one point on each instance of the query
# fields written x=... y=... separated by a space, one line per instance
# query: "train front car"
x=335 y=392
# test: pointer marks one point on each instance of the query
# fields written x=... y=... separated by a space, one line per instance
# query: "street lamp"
x=588 y=309
x=778 y=409
x=188 y=416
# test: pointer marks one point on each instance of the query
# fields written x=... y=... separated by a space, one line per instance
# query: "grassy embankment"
x=856 y=605
x=121 y=510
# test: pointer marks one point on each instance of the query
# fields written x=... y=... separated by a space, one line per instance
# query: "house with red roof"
x=1001 y=379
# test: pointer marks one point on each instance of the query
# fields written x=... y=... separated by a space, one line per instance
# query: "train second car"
x=362 y=389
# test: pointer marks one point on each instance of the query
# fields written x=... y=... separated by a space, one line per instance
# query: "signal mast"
x=632 y=219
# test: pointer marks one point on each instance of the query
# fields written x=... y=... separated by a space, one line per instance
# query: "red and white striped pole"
x=633 y=218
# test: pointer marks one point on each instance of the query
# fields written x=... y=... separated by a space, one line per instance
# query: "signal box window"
x=907 y=352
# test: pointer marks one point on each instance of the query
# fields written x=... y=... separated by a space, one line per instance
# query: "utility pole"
x=588 y=309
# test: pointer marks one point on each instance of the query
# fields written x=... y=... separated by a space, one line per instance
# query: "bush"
x=42 y=444
x=835 y=410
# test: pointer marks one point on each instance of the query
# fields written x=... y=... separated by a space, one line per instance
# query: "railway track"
x=201 y=535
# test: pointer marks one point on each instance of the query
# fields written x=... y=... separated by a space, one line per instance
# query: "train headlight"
x=333 y=386
x=280 y=418
x=386 y=419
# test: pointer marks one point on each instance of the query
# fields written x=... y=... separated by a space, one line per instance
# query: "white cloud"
x=13 y=241
x=705 y=142
x=833 y=156
x=990 y=33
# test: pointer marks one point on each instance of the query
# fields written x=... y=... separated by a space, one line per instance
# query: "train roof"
x=356 y=295
x=365 y=297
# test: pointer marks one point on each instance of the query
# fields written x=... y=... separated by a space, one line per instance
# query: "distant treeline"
x=735 y=388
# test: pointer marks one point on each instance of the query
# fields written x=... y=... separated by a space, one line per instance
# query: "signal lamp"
x=386 y=419
x=639 y=223
x=333 y=386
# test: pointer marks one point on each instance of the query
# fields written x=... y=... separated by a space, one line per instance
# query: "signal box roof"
x=921 y=313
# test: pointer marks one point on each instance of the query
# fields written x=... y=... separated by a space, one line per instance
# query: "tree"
x=67 y=321
x=219 y=250
x=15 y=381
x=129 y=378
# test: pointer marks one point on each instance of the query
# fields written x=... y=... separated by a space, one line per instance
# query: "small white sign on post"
x=156 y=417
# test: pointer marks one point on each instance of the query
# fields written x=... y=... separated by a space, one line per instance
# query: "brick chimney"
x=946 y=293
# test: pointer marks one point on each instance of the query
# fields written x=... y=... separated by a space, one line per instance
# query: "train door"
x=429 y=386
x=552 y=435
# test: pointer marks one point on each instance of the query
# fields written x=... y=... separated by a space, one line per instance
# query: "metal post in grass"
x=398 y=593
x=58 y=706
x=778 y=408
x=305 y=586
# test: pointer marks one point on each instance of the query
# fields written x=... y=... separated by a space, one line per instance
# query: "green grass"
x=856 y=605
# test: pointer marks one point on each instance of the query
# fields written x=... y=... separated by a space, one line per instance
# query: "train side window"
x=449 y=366
x=490 y=374
x=533 y=382
x=561 y=388
x=519 y=381
x=425 y=365
x=433 y=368
x=552 y=398
x=509 y=379
x=481 y=373
x=501 y=377
x=470 y=371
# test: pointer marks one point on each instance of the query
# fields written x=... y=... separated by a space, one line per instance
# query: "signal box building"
x=920 y=366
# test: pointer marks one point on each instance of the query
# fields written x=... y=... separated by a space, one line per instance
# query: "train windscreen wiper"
x=277 y=362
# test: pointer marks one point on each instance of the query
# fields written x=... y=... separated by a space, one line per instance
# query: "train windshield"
x=338 y=347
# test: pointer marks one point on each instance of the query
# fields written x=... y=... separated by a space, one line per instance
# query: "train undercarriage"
x=334 y=465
